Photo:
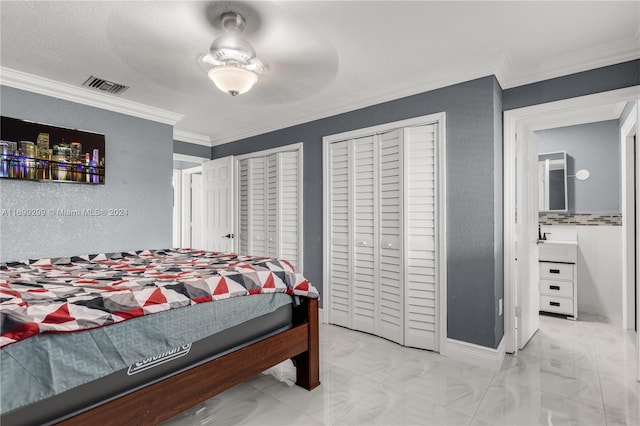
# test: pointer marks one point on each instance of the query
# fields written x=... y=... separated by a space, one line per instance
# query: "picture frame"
x=42 y=152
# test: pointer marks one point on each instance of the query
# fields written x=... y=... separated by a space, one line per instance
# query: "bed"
x=141 y=336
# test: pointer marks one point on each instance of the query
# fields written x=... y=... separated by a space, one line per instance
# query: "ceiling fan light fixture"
x=235 y=66
x=230 y=47
x=232 y=79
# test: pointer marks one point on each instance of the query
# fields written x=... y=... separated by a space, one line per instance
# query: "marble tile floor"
x=571 y=372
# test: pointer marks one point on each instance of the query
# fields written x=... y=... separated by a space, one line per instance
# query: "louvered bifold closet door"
x=420 y=204
x=269 y=213
x=339 y=230
x=257 y=216
x=243 y=202
x=365 y=247
x=273 y=201
x=289 y=216
x=391 y=286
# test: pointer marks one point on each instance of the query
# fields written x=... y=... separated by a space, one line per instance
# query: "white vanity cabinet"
x=559 y=278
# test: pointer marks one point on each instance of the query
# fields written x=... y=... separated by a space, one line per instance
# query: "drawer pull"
x=554 y=271
x=554 y=287
x=554 y=303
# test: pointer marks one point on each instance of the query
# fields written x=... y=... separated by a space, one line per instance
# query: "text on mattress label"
x=158 y=359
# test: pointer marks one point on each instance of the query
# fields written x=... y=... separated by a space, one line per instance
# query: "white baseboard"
x=475 y=354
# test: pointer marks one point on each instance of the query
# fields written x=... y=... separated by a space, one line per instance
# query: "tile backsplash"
x=586 y=219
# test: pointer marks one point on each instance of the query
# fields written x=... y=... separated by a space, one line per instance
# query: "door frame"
x=182 y=195
x=186 y=204
x=629 y=231
x=176 y=240
x=513 y=120
x=439 y=120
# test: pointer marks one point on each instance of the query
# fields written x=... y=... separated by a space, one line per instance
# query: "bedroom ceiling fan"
x=235 y=66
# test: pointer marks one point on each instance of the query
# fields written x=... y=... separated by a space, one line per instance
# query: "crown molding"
x=580 y=116
x=190 y=137
x=189 y=158
x=44 y=86
x=601 y=56
x=618 y=109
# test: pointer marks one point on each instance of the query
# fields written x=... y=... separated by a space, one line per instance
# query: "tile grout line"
x=484 y=395
x=604 y=407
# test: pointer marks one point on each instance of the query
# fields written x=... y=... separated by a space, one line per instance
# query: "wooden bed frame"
x=165 y=399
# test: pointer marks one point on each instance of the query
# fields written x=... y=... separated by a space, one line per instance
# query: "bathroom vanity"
x=559 y=275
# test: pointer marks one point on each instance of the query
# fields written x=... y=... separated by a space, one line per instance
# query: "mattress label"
x=158 y=359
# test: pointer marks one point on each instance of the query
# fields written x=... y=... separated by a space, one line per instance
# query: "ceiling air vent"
x=105 y=85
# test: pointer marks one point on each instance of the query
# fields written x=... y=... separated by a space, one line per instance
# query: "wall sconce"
x=582 y=174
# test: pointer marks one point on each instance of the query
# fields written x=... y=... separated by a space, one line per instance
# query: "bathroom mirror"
x=552 y=181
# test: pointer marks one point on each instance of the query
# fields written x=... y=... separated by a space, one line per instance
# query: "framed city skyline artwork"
x=42 y=152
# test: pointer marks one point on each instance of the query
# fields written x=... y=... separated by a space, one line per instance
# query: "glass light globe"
x=232 y=79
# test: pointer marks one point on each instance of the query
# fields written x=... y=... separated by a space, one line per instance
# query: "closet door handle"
x=363 y=243
x=554 y=303
x=554 y=271
x=554 y=287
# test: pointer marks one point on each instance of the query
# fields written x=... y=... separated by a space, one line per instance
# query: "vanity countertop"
x=548 y=241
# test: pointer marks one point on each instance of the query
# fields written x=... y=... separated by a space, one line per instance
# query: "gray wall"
x=474 y=193
x=619 y=76
x=195 y=150
x=137 y=178
x=595 y=147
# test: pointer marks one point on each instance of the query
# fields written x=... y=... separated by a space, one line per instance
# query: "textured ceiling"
x=324 y=57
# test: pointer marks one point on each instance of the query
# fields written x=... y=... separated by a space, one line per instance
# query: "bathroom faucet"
x=542 y=236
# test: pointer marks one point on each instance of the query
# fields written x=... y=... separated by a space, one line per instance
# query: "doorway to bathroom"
x=521 y=207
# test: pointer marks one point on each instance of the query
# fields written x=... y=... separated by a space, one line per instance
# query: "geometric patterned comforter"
x=82 y=292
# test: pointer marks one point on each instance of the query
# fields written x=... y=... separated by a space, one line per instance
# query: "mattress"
x=78 y=370
x=57 y=295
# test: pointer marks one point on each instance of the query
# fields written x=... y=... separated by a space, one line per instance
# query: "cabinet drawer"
x=559 y=305
x=556 y=271
x=556 y=288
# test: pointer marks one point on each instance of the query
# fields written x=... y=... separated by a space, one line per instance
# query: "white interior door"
x=244 y=186
x=365 y=246
x=383 y=217
x=273 y=204
x=257 y=216
x=218 y=204
x=269 y=213
x=290 y=216
x=528 y=296
x=392 y=286
x=340 y=225
x=421 y=234
x=197 y=212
